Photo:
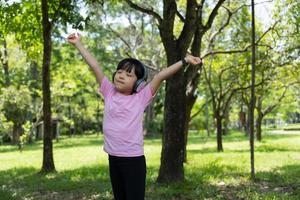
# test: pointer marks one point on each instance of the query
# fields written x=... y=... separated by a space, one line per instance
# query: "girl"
x=125 y=101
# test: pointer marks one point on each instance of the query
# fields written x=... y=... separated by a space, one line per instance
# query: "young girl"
x=125 y=101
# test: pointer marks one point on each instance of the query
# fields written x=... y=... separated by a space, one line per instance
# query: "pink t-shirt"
x=123 y=120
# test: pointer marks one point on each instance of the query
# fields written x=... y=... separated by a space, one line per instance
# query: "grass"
x=82 y=170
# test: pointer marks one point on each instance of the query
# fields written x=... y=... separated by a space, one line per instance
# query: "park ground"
x=82 y=169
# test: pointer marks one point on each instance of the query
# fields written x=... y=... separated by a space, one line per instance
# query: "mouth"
x=120 y=82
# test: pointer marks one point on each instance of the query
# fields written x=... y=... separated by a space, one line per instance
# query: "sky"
x=263 y=11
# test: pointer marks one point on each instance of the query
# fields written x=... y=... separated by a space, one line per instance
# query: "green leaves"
x=16 y=103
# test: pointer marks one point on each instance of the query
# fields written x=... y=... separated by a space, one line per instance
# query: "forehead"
x=130 y=70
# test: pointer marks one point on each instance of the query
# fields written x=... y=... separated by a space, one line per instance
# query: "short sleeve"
x=146 y=96
x=106 y=87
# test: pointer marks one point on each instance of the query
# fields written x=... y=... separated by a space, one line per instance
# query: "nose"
x=121 y=76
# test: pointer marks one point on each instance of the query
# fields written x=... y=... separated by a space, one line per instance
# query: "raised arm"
x=91 y=61
x=171 y=70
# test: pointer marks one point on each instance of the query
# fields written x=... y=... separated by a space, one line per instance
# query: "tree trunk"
x=70 y=116
x=149 y=117
x=99 y=118
x=252 y=101
x=186 y=130
x=219 y=133
x=175 y=122
x=190 y=101
x=258 y=126
x=192 y=76
x=4 y=61
x=242 y=121
x=226 y=120
x=34 y=75
x=247 y=132
x=17 y=131
x=172 y=155
x=48 y=162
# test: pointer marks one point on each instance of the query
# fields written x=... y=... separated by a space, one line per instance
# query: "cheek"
x=131 y=82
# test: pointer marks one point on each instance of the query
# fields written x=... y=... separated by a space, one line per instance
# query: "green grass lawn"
x=82 y=170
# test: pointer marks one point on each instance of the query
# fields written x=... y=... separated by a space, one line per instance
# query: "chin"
x=121 y=90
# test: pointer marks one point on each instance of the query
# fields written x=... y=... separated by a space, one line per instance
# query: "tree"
x=252 y=100
x=277 y=81
x=62 y=11
x=222 y=85
x=180 y=88
x=15 y=103
x=48 y=162
x=7 y=25
x=226 y=75
x=275 y=59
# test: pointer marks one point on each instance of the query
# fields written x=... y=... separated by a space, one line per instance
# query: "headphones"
x=140 y=83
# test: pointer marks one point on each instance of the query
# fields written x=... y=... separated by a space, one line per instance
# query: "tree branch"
x=145 y=10
x=213 y=14
x=214 y=35
x=179 y=15
x=271 y=107
x=189 y=26
x=199 y=111
x=121 y=38
x=57 y=12
x=240 y=50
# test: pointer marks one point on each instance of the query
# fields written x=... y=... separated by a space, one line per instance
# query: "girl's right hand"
x=74 y=38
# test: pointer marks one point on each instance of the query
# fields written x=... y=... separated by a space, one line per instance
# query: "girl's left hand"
x=193 y=60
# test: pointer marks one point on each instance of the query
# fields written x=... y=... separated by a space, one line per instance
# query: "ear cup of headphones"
x=139 y=85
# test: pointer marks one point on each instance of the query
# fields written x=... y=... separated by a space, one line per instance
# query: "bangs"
x=127 y=66
x=129 y=63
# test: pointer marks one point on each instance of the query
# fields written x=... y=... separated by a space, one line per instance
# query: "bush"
x=6 y=138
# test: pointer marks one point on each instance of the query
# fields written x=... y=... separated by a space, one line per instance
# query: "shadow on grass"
x=207 y=182
x=211 y=182
x=91 y=182
x=65 y=142
x=283 y=180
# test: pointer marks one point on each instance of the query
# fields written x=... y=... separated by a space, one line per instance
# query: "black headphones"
x=140 y=83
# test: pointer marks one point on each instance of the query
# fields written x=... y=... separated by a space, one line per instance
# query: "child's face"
x=124 y=81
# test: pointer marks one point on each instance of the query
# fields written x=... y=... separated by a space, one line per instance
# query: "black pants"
x=128 y=176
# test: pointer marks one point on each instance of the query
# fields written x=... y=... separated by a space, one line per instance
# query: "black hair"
x=129 y=63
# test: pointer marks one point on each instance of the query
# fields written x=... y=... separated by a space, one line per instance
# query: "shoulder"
x=145 y=95
x=106 y=86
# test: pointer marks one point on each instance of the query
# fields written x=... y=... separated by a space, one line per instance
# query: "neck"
x=126 y=93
